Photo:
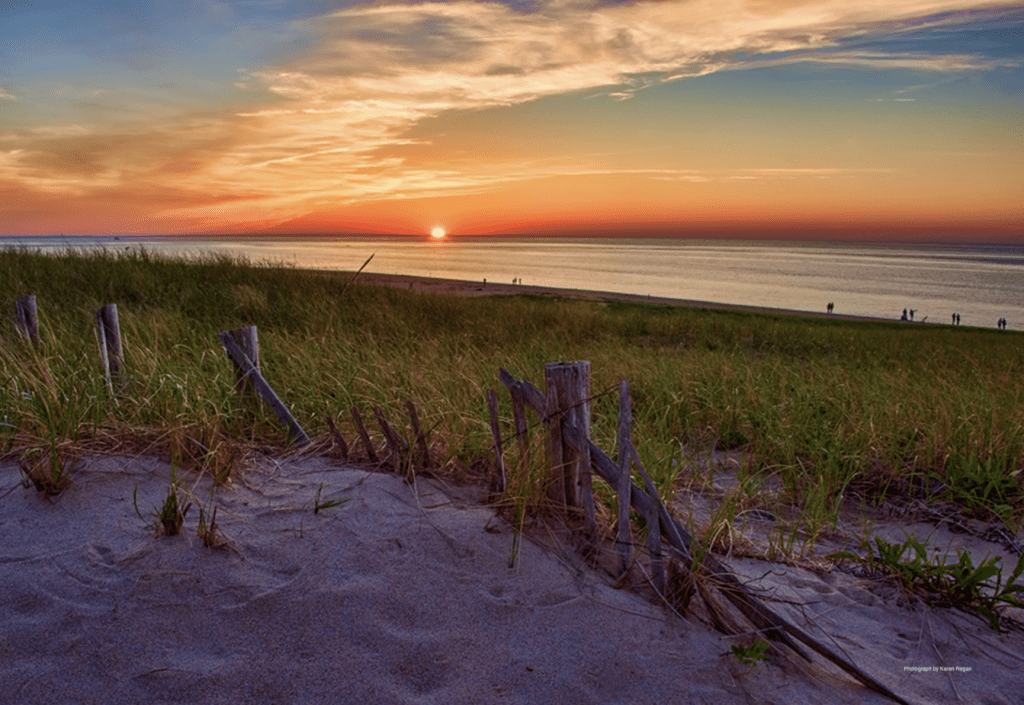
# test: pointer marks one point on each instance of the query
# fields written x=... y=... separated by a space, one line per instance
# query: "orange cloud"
x=330 y=131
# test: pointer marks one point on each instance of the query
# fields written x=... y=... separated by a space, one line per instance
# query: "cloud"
x=371 y=73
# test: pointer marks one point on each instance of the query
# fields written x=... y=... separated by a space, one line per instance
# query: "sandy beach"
x=491 y=288
x=403 y=593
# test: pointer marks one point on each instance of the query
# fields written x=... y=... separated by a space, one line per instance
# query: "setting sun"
x=437 y=233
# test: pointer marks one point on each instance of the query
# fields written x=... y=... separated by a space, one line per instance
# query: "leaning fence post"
x=363 y=435
x=572 y=404
x=28 y=320
x=239 y=357
x=111 y=353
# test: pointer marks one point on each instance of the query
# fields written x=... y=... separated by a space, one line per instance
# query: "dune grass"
x=825 y=409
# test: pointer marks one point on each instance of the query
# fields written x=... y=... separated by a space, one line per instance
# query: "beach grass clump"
x=826 y=411
x=980 y=588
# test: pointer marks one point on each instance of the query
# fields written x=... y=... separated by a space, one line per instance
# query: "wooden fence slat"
x=498 y=479
x=27 y=318
x=264 y=389
x=552 y=416
x=363 y=435
x=519 y=417
x=339 y=440
x=395 y=444
x=421 y=440
x=623 y=487
x=654 y=532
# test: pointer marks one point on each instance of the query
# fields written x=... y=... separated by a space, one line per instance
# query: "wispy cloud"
x=371 y=73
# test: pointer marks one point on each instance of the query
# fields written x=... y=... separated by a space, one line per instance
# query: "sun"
x=438 y=233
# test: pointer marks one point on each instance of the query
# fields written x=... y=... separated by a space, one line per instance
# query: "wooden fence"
x=563 y=410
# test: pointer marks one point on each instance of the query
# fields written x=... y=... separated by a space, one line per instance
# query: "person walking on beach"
x=904 y=316
x=958 y=319
x=830 y=307
x=911 y=314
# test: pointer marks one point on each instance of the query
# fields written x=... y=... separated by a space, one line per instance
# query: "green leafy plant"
x=979 y=588
x=751 y=654
x=987 y=487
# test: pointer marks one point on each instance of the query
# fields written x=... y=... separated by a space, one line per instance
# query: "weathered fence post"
x=111 y=353
x=238 y=356
x=624 y=488
x=498 y=481
x=28 y=320
x=568 y=389
x=249 y=342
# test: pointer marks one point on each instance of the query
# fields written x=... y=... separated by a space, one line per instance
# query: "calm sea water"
x=980 y=282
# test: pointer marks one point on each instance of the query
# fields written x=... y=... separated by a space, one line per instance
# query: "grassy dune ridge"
x=830 y=408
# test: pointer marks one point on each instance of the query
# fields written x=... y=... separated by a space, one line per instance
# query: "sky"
x=875 y=119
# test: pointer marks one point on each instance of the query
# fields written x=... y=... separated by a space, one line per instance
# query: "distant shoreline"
x=461 y=287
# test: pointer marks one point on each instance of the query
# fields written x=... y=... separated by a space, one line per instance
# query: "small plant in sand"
x=48 y=468
x=207 y=531
x=751 y=654
x=170 y=516
x=978 y=588
x=327 y=503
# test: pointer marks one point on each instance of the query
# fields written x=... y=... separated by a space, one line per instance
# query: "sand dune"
x=401 y=594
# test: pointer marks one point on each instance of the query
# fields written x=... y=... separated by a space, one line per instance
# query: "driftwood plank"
x=263 y=388
x=339 y=440
x=761 y=616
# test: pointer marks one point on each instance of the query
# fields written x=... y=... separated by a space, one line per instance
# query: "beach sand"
x=404 y=594
x=470 y=288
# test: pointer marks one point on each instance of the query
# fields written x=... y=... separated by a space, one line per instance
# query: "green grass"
x=826 y=408
x=979 y=588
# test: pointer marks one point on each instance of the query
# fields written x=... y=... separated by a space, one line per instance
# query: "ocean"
x=982 y=283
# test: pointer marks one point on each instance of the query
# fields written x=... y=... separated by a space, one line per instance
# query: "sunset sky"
x=851 y=118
